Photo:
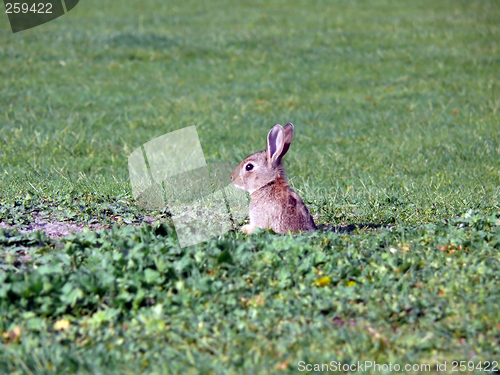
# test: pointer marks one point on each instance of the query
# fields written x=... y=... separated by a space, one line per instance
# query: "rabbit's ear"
x=275 y=144
x=288 y=138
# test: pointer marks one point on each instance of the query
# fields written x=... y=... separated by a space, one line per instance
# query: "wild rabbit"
x=273 y=203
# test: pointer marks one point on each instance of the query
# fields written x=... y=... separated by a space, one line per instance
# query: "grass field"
x=397 y=148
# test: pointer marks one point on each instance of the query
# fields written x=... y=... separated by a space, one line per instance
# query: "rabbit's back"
x=278 y=207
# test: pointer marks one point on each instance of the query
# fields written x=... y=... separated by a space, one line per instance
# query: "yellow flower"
x=323 y=281
x=62 y=325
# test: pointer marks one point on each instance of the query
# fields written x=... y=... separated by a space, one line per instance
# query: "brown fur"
x=273 y=203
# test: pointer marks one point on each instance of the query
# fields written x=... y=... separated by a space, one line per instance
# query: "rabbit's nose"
x=235 y=175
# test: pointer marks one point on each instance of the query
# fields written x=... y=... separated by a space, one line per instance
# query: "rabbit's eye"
x=249 y=167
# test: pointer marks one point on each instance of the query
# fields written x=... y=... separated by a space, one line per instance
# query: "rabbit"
x=273 y=203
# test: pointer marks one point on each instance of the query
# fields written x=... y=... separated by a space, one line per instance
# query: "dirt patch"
x=57 y=229
x=54 y=229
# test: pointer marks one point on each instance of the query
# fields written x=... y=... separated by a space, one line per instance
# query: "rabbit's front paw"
x=248 y=229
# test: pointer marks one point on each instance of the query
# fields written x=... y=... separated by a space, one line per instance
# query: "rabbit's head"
x=264 y=167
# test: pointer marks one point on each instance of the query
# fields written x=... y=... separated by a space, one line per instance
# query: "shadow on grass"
x=350 y=228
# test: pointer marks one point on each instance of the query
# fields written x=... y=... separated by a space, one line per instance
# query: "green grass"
x=395 y=107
